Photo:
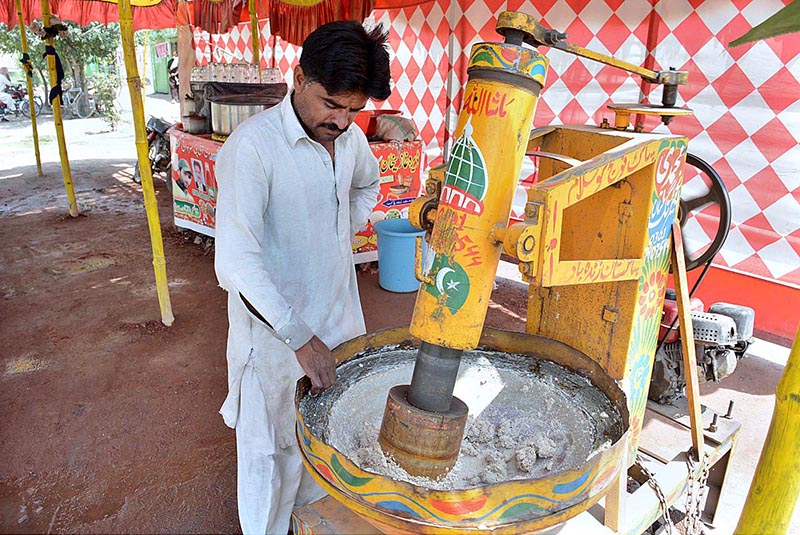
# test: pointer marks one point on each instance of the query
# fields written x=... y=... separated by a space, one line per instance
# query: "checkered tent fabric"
x=746 y=99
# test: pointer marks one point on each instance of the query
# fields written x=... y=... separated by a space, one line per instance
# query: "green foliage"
x=10 y=44
x=94 y=42
x=105 y=93
x=155 y=36
x=787 y=20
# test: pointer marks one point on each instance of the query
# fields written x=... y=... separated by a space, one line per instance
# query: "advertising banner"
x=194 y=185
x=399 y=165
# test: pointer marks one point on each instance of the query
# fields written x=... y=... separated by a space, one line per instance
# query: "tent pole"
x=26 y=63
x=776 y=483
x=186 y=60
x=57 y=118
x=255 y=36
x=144 y=68
x=150 y=204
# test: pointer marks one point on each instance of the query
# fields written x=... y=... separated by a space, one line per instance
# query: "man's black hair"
x=345 y=57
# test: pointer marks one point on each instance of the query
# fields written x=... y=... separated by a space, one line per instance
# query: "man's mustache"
x=331 y=126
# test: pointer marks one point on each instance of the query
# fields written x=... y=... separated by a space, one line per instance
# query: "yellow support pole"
x=57 y=118
x=144 y=66
x=776 y=484
x=150 y=204
x=255 y=36
x=26 y=63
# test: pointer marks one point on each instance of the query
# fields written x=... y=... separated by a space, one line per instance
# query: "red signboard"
x=399 y=165
x=194 y=185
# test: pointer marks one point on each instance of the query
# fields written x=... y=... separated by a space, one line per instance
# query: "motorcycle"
x=158 y=150
x=22 y=104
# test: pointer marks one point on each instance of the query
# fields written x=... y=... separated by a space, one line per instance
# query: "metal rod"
x=729 y=414
x=434 y=377
x=647 y=74
x=255 y=36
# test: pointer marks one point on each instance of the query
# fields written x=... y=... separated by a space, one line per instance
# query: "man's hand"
x=316 y=360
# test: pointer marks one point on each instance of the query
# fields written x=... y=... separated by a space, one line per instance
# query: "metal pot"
x=229 y=111
x=194 y=124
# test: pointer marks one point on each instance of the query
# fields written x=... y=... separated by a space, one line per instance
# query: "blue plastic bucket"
x=396 y=246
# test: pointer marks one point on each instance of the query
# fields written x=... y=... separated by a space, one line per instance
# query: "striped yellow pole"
x=144 y=67
x=57 y=119
x=255 y=36
x=776 y=484
x=150 y=204
x=26 y=63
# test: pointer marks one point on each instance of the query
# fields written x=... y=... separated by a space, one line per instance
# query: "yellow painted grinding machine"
x=594 y=248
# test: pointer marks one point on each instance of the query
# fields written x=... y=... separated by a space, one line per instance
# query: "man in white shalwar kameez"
x=296 y=182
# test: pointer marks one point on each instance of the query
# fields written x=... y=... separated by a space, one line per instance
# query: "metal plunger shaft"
x=434 y=377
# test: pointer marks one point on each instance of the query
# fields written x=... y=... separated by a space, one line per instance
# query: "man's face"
x=324 y=116
x=185 y=176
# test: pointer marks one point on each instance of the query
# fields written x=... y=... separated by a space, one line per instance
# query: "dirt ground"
x=109 y=419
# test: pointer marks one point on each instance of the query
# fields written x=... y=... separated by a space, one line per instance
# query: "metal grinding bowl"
x=575 y=479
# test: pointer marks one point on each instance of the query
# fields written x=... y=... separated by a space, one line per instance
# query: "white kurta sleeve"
x=365 y=186
x=244 y=177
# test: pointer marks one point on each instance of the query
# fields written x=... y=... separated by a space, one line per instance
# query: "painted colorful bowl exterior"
x=518 y=506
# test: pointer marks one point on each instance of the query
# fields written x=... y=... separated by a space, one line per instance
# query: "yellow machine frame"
x=594 y=245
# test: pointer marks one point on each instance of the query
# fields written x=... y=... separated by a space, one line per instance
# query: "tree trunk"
x=45 y=85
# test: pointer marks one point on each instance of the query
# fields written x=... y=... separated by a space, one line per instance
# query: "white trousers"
x=271 y=481
x=8 y=100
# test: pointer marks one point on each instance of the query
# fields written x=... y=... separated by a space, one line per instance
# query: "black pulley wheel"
x=703 y=191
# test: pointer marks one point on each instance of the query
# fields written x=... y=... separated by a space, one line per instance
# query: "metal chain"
x=662 y=501
x=696 y=491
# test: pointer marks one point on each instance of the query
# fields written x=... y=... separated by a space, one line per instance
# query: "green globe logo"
x=465 y=179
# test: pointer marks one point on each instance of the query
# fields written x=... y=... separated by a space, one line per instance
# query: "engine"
x=722 y=335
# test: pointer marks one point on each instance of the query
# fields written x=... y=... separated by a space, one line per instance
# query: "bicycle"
x=25 y=106
x=78 y=103
x=22 y=103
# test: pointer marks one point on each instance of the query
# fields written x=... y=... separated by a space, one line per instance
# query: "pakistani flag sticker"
x=451 y=281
